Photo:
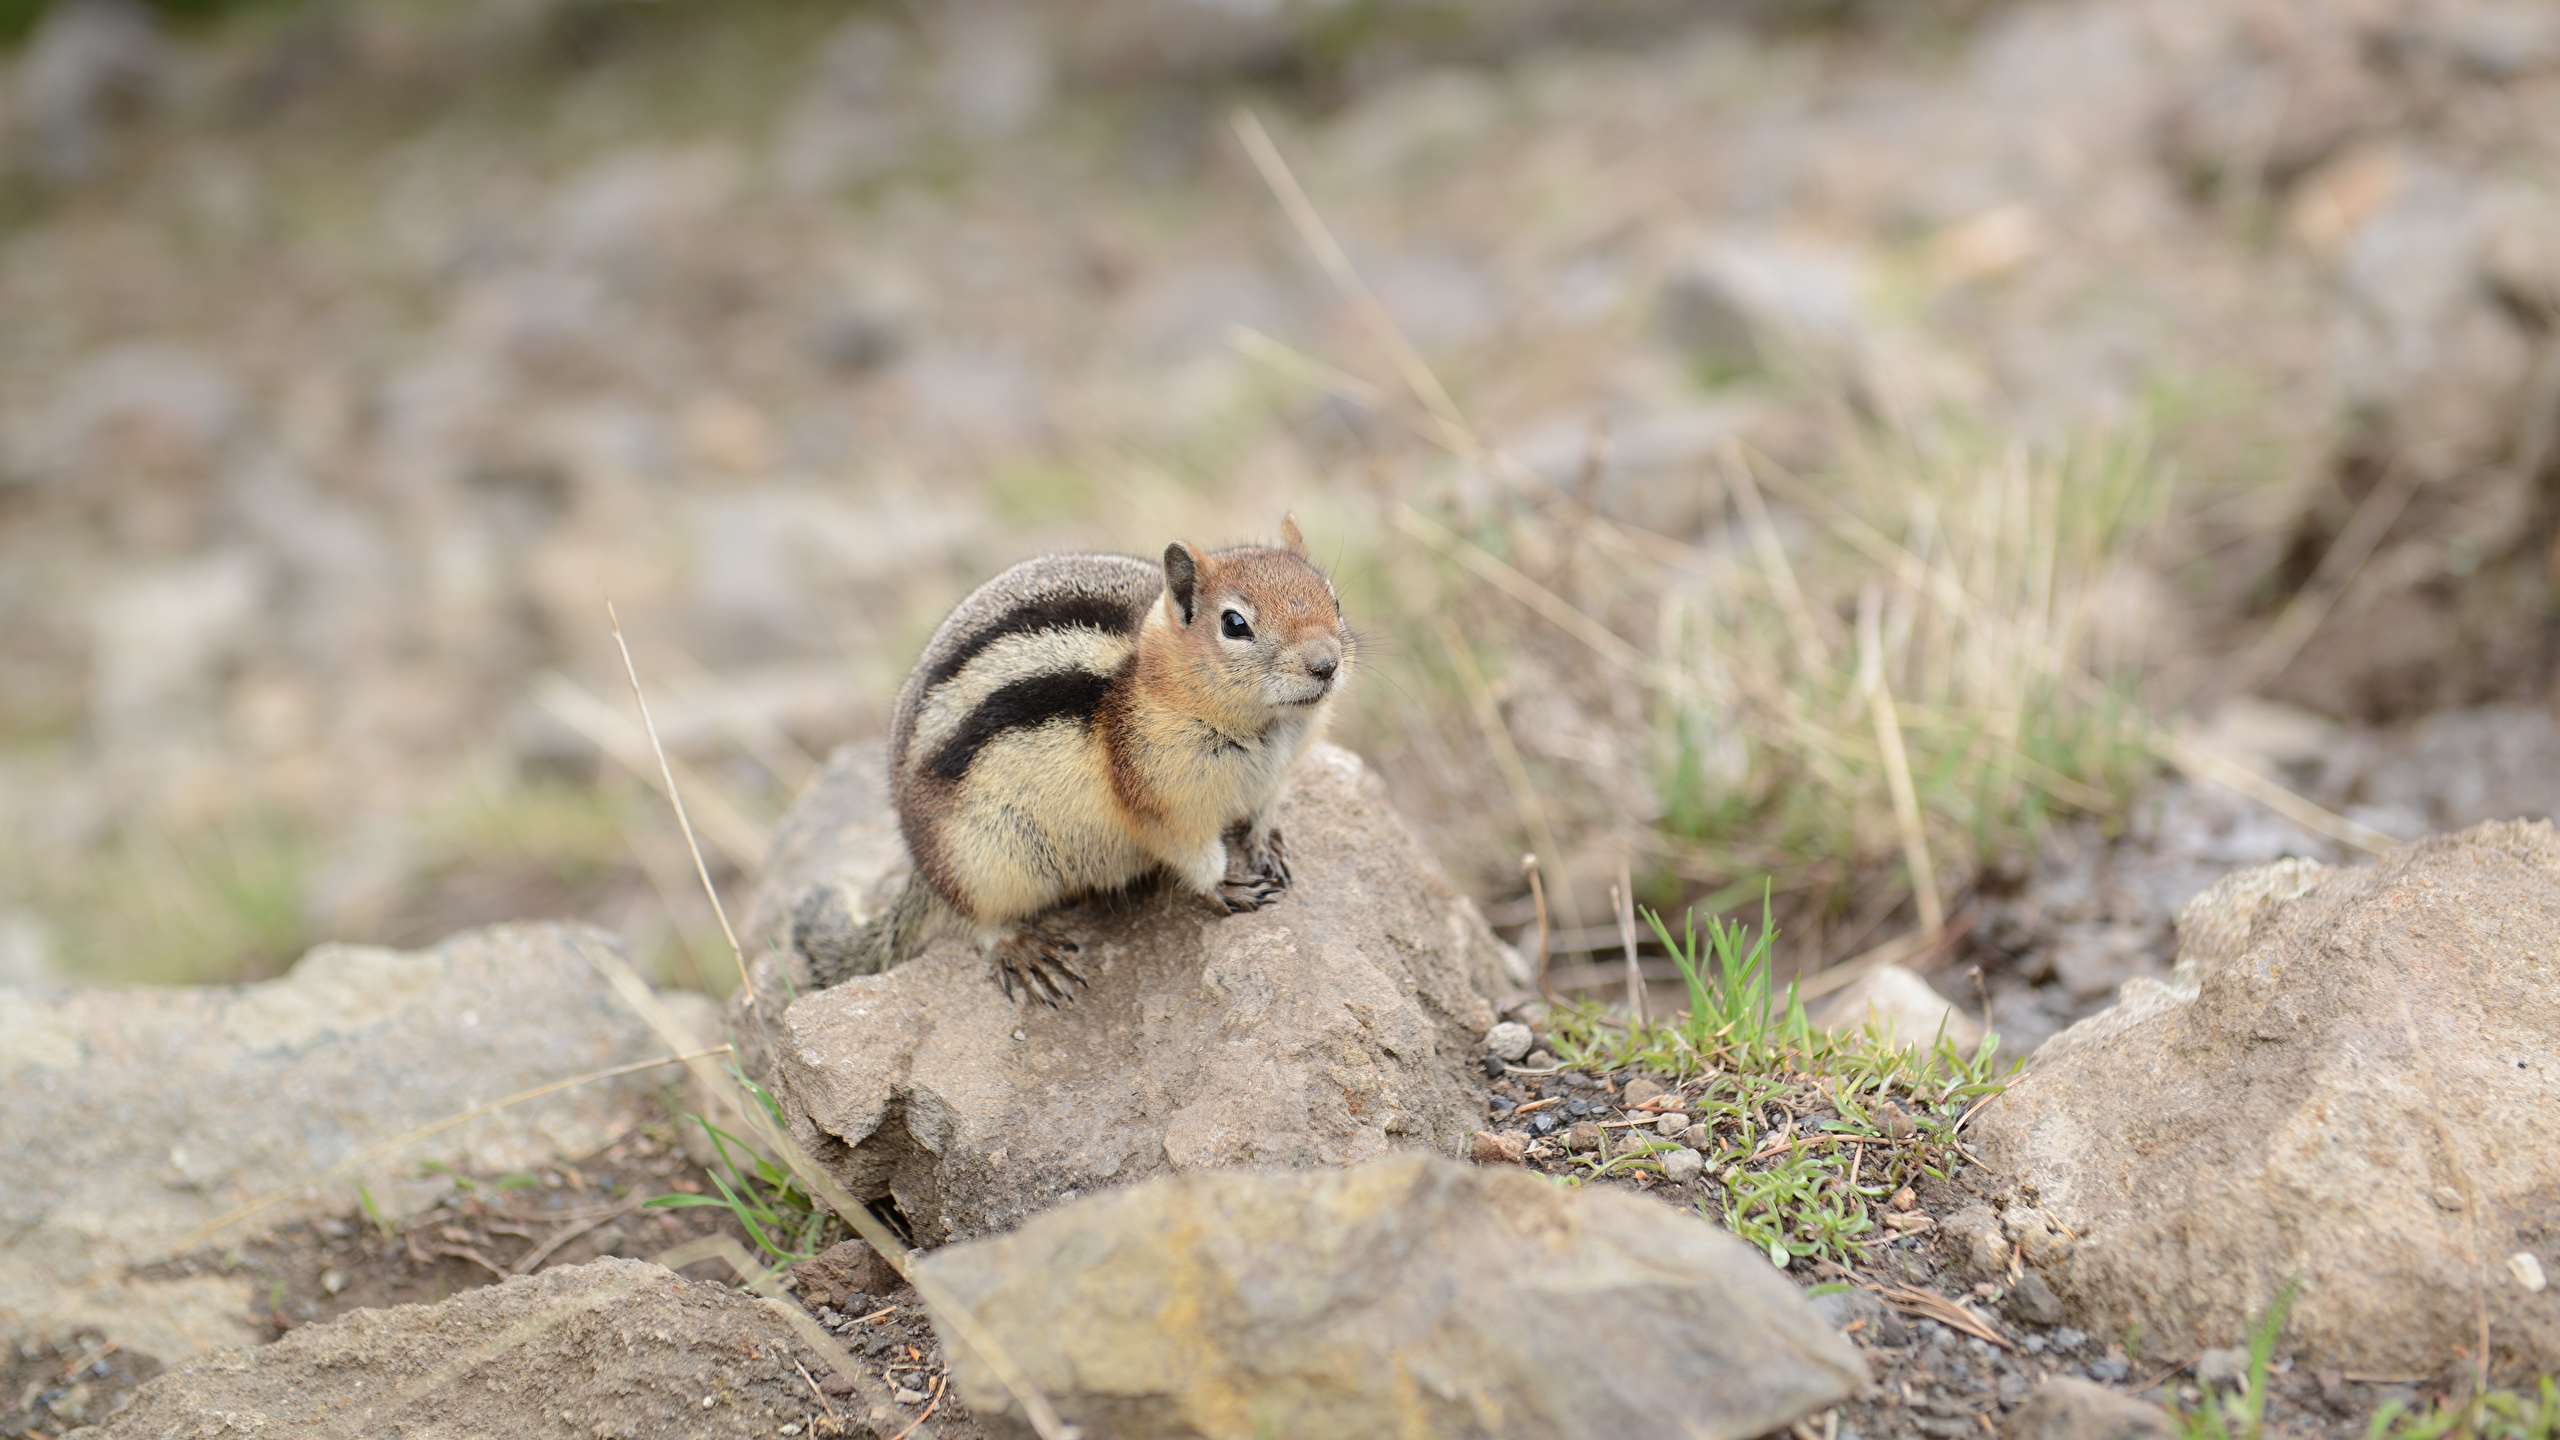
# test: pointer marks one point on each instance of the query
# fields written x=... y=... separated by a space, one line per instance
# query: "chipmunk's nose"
x=1323 y=662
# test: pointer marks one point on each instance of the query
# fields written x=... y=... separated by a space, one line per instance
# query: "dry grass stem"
x=1810 y=651
x=763 y=1283
x=1622 y=899
x=1897 y=764
x=1914 y=573
x=1506 y=755
x=675 y=798
x=739 y=839
x=1538 y=899
x=777 y=1144
x=2272 y=651
x=1318 y=238
x=685 y=1055
x=1555 y=609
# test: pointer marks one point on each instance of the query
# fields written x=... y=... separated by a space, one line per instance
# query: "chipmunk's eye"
x=1233 y=627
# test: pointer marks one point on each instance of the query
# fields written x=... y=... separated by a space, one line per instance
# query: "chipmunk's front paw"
x=1257 y=873
x=1042 y=960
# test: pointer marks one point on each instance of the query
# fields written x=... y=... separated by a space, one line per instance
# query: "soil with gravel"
x=491 y=1227
x=1960 y=1375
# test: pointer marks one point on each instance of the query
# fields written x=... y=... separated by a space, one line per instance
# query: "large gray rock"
x=1409 y=1296
x=2349 y=1079
x=614 y=1348
x=1328 y=1028
x=133 y=1117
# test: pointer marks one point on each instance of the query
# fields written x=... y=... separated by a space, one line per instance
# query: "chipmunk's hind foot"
x=1041 y=960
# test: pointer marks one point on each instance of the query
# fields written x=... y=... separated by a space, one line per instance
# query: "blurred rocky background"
x=353 y=355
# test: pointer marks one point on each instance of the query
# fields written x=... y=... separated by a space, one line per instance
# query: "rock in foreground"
x=2350 y=1078
x=1340 y=1023
x=132 y=1117
x=615 y=1348
x=1410 y=1296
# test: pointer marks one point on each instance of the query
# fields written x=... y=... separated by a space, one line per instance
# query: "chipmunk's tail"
x=839 y=946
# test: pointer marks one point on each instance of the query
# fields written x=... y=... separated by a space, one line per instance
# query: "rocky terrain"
x=2056 y=496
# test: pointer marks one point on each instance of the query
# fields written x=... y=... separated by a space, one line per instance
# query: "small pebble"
x=1494 y=1069
x=1509 y=1041
x=2527 y=1268
x=1488 y=1148
x=2227 y=1365
x=1577 y=1107
x=1673 y=1124
x=2067 y=1338
x=1641 y=1089
x=1540 y=1060
x=1583 y=1138
x=2032 y=1302
x=1682 y=1166
x=791 y=1429
x=1697 y=1137
x=333 y=1281
x=906 y=1396
x=2447 y=1198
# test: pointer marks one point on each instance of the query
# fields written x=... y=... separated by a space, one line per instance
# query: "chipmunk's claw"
x=1044 y=961
x=1257 y=874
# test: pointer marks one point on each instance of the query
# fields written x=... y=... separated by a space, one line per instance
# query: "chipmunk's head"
x=1257 y=630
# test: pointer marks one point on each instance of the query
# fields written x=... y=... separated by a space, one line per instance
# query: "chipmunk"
x=1082 y=721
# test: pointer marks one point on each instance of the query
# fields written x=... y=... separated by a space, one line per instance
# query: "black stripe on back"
x=1020 y=705
x=1059 y=612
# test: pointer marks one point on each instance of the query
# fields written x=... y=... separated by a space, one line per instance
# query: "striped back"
x=1038 y=643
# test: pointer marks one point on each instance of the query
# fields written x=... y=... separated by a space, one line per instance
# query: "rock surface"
x=2064 y=1408
x=132 y=1117
x=2348 y=1078
x=613 y=1348
x=1899 y=1004
x=1344 y=1021
x=1408 y=1296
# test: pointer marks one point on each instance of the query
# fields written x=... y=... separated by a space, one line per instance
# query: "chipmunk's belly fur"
x=1004 y=781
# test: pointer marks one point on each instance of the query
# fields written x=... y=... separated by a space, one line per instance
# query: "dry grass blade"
x=1622 y=898
x=1506 y=755
x=739 y=839
x=675 y=797
x=1943 y=1310
x=684 y=1055
x=1337 y=267
x=1307 y=370
x=1897 y=763
x=761 y=1281
x=2300 y=620
x=1554 y=608
x=1917 y=574
x=753 y=1122
x=1810 y=651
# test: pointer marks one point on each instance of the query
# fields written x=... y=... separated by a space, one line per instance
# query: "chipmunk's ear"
x=1182 y=578
x=1291 y=539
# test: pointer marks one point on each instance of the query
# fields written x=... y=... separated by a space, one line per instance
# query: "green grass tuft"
x=779 y=1215
x=1804 y=1122
x=2498 y=1415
